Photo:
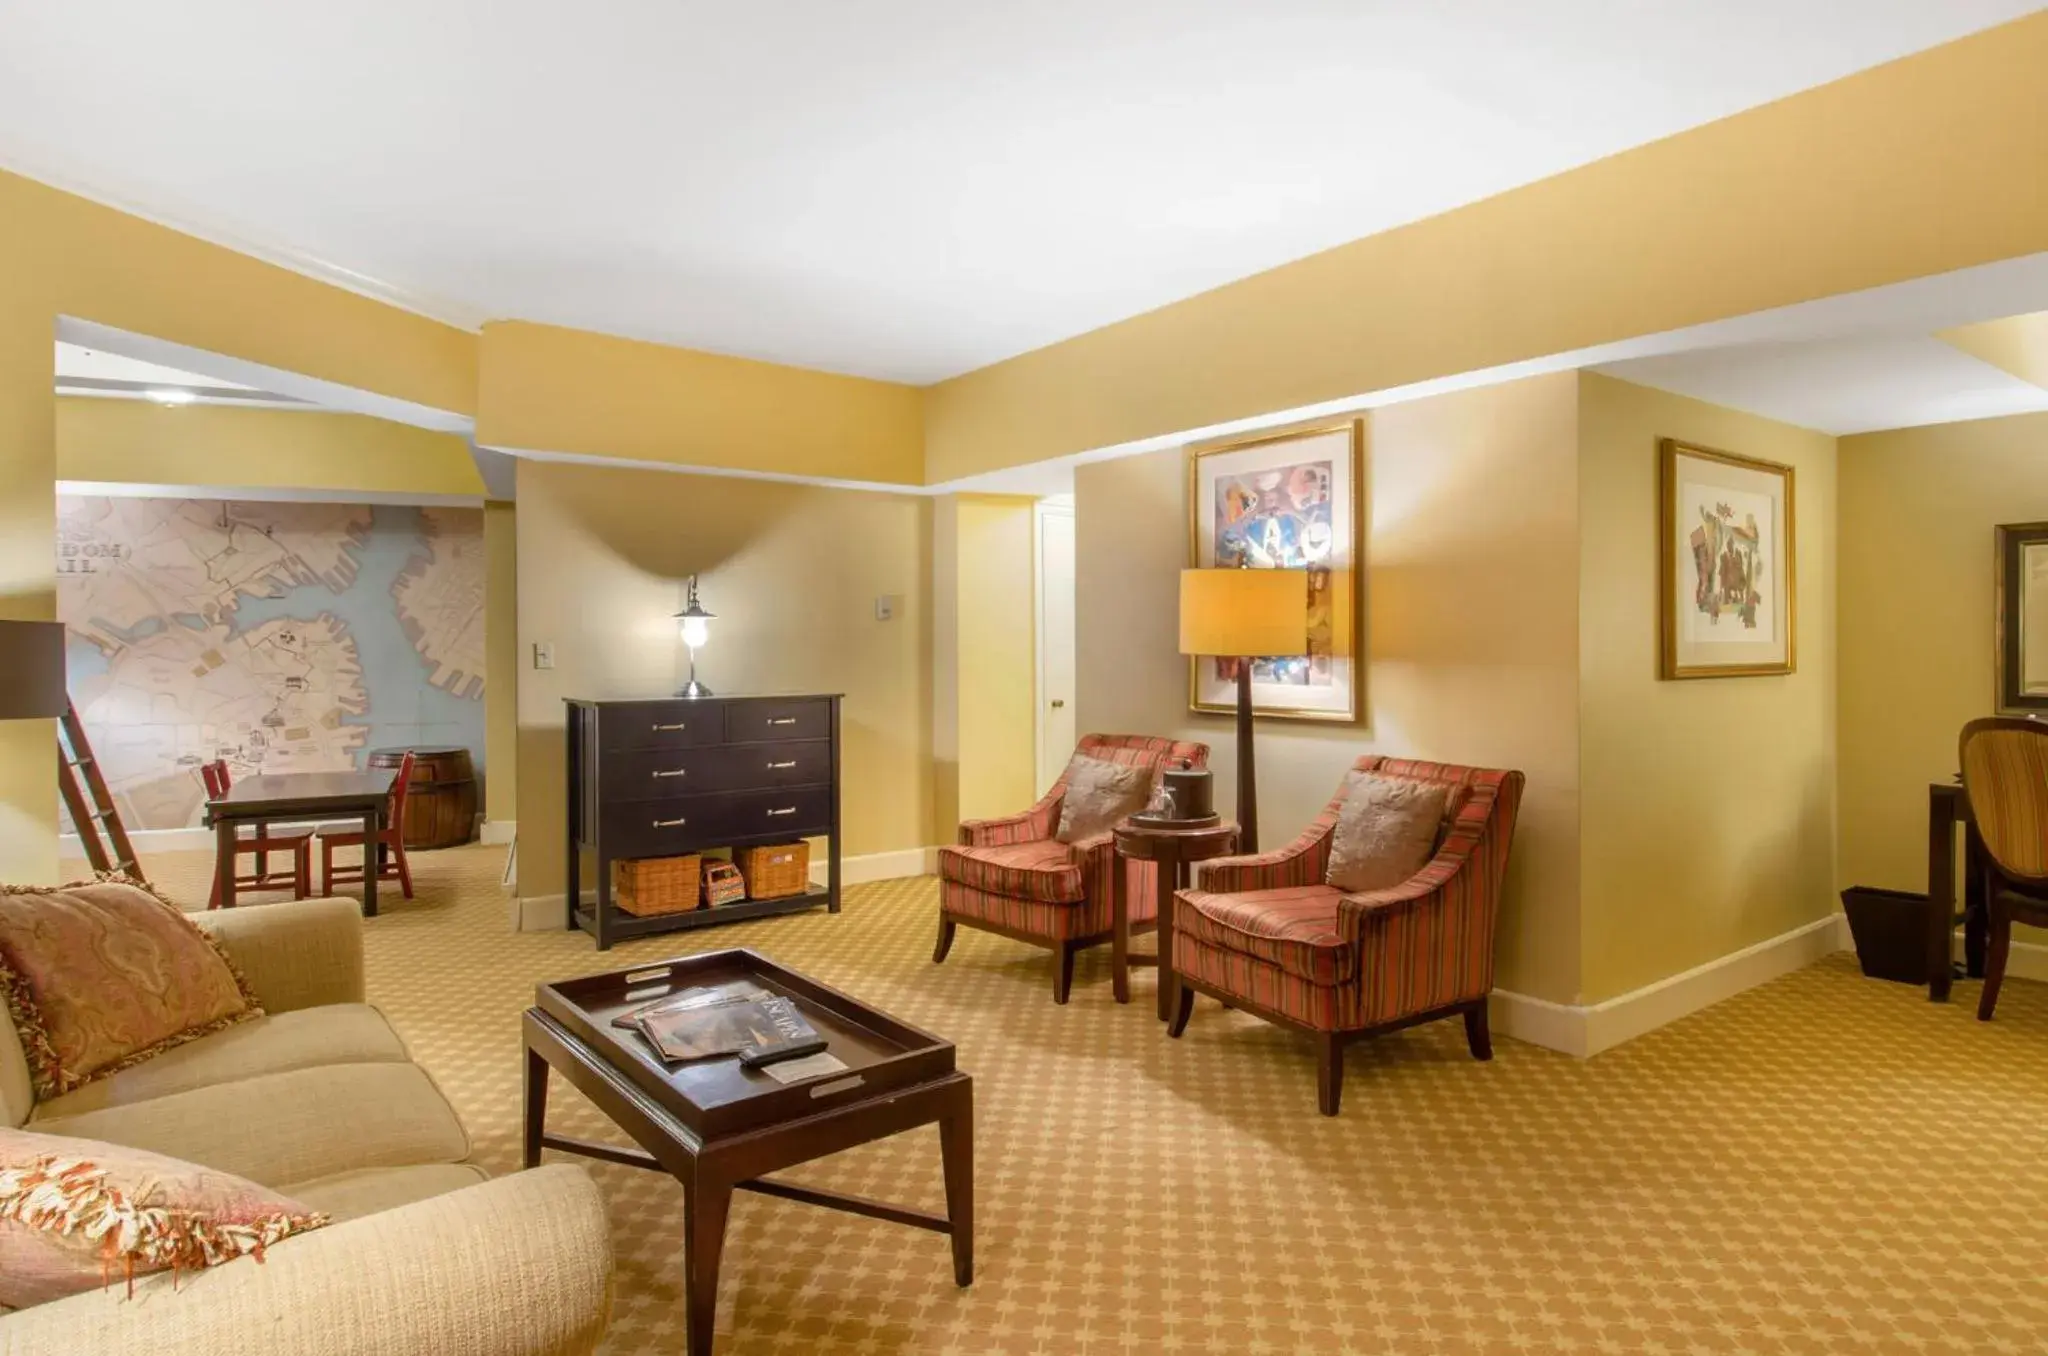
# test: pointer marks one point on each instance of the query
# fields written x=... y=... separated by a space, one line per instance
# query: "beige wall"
x=28 y=579
x=1707 y=822
x=501 y=661
x=996 y=657
x=1472 y=633
x=792 y=573
x=1919 y=506
x=139 y=442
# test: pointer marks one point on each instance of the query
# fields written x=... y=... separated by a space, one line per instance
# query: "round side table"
x=1174 y=850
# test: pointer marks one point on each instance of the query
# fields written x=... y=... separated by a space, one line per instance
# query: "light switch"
x=886 y=605
x=544 y=654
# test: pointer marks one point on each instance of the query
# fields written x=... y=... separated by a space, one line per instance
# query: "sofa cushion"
x=1100 y=795
x=289 y=1127
x=101 y=976
x=341 y=1033
x=1044 y=870
x=1386 y=830
x=351 y=1195
x=1294 y=927
x=78 y=1213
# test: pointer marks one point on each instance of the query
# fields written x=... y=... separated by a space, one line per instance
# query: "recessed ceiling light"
x=167 y=396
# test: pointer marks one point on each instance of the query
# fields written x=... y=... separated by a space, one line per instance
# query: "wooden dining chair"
x=2005 y=776
x=392 y=837
x=260 y=841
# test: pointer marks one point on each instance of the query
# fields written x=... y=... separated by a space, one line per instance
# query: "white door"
x=1055 y=641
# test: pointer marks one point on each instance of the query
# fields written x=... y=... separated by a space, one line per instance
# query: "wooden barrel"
x=440 y=808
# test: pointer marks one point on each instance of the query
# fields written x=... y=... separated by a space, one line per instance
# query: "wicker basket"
x=777 y=870
x=656 y=885
x=722 y=884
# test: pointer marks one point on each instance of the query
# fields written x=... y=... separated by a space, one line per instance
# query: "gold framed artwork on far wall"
x=1726 y=548
x=2021 y=619
x=1293 y=500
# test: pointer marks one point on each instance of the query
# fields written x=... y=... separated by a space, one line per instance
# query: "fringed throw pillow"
x=102 y=975
x=77 y=1213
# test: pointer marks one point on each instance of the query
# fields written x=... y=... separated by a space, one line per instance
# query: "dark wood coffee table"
x=717 y=1127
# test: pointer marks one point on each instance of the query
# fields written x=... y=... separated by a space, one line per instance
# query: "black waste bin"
x=1890 y=929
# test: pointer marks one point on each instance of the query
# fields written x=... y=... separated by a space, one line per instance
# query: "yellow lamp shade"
x=1243 y=612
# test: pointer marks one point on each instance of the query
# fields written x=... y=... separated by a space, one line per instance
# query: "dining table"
x=303 y=797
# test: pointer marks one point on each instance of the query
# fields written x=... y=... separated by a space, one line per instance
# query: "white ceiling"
x=1840 y=386
x=900 y=188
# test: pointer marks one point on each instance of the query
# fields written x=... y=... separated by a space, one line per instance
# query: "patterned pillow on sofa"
x=102 y=975
x=77 y=1213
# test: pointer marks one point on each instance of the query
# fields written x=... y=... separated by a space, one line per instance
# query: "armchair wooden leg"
x=947 y=927
x=1997 y=948
x=1329 y=1071
x=1183 y=1008
x=1063 y=973
x=1476 y=1033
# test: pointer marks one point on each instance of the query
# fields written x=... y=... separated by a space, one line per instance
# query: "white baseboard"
x=544 y=913
x=2027 y=960
x=498 y=832
x=1585 y=1030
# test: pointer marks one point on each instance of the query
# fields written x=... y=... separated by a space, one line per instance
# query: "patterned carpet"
x=1826 y=1164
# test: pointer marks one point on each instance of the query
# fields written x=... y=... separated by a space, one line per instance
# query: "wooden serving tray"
x=717 y=1097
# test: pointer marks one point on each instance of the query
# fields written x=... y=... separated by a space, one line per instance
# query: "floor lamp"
x=1244 y=614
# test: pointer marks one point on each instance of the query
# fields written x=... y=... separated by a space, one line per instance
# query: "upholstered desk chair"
x=2005 y=775
x=1014 y=877
x=1268 y=935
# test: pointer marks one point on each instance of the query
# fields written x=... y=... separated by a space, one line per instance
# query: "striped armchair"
x=1012 y=877
x=1268 y=935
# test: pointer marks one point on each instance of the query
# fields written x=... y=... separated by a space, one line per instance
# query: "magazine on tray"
x=738 y=1018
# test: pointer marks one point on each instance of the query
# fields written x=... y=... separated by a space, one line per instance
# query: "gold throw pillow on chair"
x=1386 y=831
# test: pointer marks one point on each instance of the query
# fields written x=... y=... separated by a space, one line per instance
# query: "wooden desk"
x=1172 y=850
x=287 y=796
x=717 y=1127
x=1946 y=807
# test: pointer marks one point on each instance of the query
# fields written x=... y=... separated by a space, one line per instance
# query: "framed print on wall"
x=1289 y=501
x=2022 y=619
x=1726 y=545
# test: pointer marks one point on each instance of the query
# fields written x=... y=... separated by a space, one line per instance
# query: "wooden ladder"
x=74 y=756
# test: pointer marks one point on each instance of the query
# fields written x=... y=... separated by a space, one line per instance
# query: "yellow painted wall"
x=561 y=390
x=1472 y=626
x=28 y=570
x=139 y=442
x=792 y=573
x=501 y=661
x=1925 y=165
x=1707 y=816
x=1919 y=579
x=996 y=658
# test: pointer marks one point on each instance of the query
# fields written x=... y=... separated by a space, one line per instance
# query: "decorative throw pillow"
x=102 y=975
x=76 y=1213
x=1100 y=795
x=1386 y=831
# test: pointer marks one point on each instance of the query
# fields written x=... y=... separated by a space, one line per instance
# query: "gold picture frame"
x=2020 y=619
x=1303 y=491
x=1727 y=564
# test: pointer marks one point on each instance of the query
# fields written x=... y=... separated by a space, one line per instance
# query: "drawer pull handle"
x=672 y=772
x=664 y=729
x=782 y=720
x=777 y=767
x=669 y=823
x=786 y=810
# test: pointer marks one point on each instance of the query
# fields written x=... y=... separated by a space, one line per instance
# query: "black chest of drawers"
x=665 y=778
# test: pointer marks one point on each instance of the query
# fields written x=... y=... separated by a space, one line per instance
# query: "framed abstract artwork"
x=1290 y=501
x=1726 y=545
x=2022 y=619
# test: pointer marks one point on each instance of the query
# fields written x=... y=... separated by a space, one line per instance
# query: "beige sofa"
x=320 y=1100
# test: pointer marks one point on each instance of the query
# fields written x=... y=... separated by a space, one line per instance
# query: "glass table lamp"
x=695 y=624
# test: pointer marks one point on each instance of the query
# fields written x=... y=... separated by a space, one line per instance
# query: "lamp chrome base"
x=693 y=689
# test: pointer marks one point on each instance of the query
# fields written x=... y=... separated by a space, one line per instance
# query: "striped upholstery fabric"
x=2005 y=775
x=1255 y=926
x=1013 y=874
x=1294 y=927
